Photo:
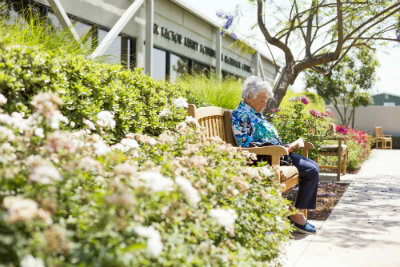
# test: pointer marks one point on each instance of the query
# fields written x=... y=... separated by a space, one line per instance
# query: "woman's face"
x=259 y=103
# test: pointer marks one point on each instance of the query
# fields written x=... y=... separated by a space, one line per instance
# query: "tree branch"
x=307 y=38
x=372 y=19
x=326 y=57
x=355 y=39
x=273 y=41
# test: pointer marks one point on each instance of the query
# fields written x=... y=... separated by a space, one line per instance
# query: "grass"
x=316 y=102
x=210 y=91
x=33 y=30
x=227 y=93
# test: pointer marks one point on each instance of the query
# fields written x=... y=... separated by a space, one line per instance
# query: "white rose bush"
x=71 y=198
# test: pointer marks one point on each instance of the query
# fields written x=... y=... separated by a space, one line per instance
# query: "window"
x=113 y=52
x=178 y=66
x=228 y=75
x=159 y=64
x=128 y=49
x=389 y=104
x=201 y=68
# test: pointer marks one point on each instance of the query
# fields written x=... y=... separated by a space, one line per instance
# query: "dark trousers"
x=309 y=178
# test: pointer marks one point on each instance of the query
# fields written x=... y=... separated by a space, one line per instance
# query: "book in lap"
x=299 y=143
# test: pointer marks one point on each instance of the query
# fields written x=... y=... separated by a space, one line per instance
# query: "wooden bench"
x=217 y=122
x=338 y=150
x=384 y=140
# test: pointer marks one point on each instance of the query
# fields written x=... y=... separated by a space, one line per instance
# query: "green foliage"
x=294 y=121
x=69 y=199
x=349 y=83
x=316 y=101
x=86 y=88
x=208 y=91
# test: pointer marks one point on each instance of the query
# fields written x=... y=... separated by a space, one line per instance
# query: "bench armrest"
x=307 y=146
x=337 y=138
x=274 y=151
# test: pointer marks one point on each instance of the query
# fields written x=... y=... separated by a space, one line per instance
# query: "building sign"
x=192 y=44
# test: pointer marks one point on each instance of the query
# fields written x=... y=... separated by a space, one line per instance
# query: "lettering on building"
x=246 y=68
x=171 y=35
x=192 y=44
x=232 y=62
x=207 y=51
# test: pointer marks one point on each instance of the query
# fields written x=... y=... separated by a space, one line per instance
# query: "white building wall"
x=366 y=118
x=175 y=17
x=178 y=21
x=229 y=50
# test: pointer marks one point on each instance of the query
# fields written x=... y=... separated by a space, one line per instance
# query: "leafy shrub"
x=208 y=91
x=69 y=199
x=294 y=121
x=138 y=103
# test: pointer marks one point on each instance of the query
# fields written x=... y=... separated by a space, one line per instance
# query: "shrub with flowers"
x=293 y=122
x=69 y=199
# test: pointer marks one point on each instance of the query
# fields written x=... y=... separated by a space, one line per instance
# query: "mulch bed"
x=328 y=196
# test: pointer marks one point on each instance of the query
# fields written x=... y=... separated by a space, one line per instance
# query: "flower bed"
x=70 y=199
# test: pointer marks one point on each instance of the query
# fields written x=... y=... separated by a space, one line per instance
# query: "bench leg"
x=344 y=164
x=339 y=166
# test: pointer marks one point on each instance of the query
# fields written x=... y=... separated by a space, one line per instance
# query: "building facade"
x=386 y=100
x=183 y=40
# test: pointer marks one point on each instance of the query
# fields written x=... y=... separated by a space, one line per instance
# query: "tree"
x=348 y=84
x=325 y=30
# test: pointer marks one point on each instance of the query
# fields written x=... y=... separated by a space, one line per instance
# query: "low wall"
x=366 y=118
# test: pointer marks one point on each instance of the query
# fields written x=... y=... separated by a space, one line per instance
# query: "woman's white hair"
x=254 y=85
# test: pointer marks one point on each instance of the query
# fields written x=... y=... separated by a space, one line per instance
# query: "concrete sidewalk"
x=364 y=228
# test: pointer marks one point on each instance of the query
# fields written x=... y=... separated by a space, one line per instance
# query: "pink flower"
x=315 y=113
x=341 y=129
x=304 y=100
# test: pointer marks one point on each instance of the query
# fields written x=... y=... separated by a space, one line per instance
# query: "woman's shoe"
x=305 y=229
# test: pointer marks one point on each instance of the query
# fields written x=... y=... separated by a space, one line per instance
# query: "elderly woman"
x=250 y=129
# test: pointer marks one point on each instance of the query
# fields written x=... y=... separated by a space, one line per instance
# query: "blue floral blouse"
x=251 y=128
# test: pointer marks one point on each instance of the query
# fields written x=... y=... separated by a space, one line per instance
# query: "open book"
x=299 y=143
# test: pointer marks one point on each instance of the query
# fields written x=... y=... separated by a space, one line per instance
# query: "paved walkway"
x=364 y=228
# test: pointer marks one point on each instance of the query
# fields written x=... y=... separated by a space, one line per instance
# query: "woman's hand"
x=290 y=148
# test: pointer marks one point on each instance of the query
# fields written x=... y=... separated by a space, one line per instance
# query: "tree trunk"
x=339 y=112
x=286 y=78
x=354 y=115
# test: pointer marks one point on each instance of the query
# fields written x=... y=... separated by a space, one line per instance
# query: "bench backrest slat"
x=217 y=121
x=378 y=131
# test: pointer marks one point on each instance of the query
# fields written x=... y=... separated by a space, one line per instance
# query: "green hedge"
x=86 y=88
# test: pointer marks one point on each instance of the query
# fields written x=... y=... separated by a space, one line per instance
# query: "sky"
x=388 y=73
